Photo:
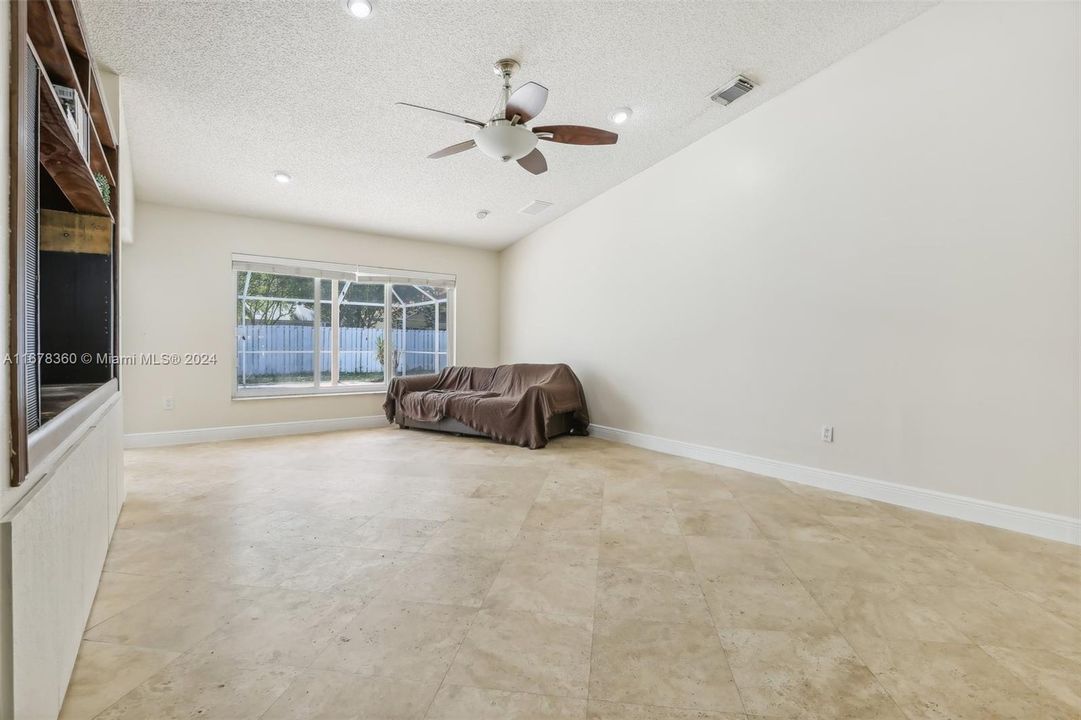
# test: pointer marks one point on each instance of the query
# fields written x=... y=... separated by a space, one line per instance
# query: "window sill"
x=303 y=393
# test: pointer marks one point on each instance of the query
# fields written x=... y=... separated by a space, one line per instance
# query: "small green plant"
x=104 y=188
x=381 y=350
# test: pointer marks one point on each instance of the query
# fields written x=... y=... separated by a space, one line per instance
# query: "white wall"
x=113 y=87
x=178 y=295
x=891 y=247
x=53 y=545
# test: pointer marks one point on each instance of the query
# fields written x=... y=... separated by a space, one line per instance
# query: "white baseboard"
x=241 y=432
x=1023 y=520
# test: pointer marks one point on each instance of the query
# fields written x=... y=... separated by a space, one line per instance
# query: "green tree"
x=268 y=309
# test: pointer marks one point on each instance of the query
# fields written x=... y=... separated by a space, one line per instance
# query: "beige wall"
x=178 y=295
x=890 y=248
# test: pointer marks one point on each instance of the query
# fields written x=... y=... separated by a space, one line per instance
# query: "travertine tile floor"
x=404 y=574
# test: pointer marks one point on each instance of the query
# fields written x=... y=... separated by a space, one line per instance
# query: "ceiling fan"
x=506 y=137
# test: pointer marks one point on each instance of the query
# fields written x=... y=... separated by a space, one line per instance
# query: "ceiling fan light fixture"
x=358 y=8
x=505 y=136
x=620 y=115
x=504 y=141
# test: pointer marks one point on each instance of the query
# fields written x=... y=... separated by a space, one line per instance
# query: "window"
x=307 y=327
x=418 y=322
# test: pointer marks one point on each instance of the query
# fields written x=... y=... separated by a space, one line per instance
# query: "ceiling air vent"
x=734 y=90
x=535 y=208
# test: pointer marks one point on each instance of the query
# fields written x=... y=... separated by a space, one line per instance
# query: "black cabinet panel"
x=75 y=298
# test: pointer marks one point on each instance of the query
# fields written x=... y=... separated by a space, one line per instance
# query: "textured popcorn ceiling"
x=219 y=95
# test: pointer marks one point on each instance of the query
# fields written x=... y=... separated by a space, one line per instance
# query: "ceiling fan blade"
x=446 y=115
x=576 y=135
x=534 y=162
x=453 y=149
x=527 y=102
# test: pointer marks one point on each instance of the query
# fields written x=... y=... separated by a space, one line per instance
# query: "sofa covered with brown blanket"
x=523 y=404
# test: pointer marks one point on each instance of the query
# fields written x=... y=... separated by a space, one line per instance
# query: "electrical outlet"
x=827 y=433
x=167 y=403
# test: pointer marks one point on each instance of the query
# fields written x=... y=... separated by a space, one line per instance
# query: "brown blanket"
x=510 y=403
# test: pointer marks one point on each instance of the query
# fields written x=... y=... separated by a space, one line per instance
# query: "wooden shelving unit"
x=54 y=31
x=63 y=284
x=71 y=26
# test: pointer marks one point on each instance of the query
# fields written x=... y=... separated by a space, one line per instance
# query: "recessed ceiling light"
x=358 y=8
x=283 y=178
x=620 y=115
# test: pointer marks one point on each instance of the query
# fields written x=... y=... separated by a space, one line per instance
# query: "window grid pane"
x=281 y=339
x=360 y=334
x=274 y=331
x=419 y=329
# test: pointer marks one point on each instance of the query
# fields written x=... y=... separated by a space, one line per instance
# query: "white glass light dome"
x=504 y=141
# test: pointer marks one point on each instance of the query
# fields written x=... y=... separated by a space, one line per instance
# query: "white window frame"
x=338 y=273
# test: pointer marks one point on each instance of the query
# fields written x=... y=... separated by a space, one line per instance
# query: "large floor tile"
x=564 y=514
x=789 y=518
x=910 y=565
x=624 y=593
x=737 y=561
x=354 y=571
x=873 y=615
x=161 y=553
x=832 y=561
x=801 y=675
x=105 y=672
x=283 y=627
x=704 y=485
x=961 y=682
x=631 y=518
x=764 y=604
x=176 y=617
x=599 y=710
x=1050 y=674
x=719 y=519
x=667 y=664
x=456 y=537
x=448 y=579
x=635 y=492
x=880 y=528
x=525 y=652
x=199 y=686
x=387 y=533
x=456 y=702
x=1000 y=616
x=328 y=695
x=415 y=641
x=645 y=551
x=119 y=591
x=581 y=486
x=574 y=547
x=546 y=587
x=289 y=526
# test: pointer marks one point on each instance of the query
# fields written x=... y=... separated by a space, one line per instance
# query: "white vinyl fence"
x=269 y=351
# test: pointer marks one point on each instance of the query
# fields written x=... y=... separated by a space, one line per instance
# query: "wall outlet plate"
x=827 y=433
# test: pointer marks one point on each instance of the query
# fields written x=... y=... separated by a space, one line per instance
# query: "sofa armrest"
x=412 y=383
x=402 y=386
